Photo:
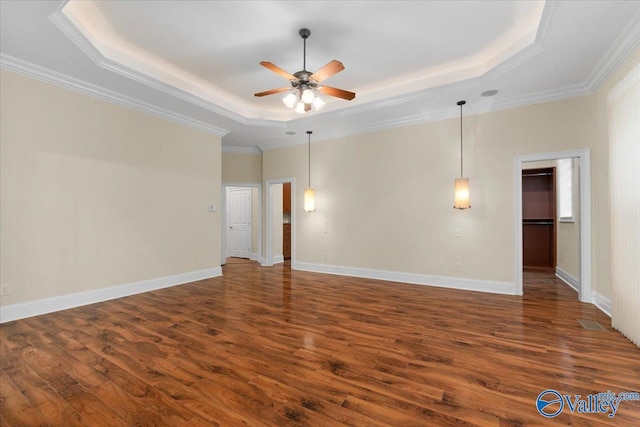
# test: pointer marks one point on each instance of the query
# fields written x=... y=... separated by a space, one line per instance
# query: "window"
x=565 y=190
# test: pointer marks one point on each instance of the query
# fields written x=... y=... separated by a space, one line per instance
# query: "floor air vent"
x=591 y=325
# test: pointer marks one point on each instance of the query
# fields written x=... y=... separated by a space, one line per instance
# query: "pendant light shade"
x=309 y=200
x=309 y=193
x=461 y=193
x=461 y=186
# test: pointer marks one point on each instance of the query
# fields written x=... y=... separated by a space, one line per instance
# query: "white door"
x=239 y=222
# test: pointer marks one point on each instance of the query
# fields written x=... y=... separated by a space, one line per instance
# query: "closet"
x=539 y=219
x=286 y=219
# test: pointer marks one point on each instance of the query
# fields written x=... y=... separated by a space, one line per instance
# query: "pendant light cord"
x=461 y=103
x=309 y=151
x=461 y=156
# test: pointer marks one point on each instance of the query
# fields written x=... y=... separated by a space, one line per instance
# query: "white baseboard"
x=254 y=257
x=568 y=279
x=602 y=302
x=413 y=278
x=278 y=259
x=48 y=305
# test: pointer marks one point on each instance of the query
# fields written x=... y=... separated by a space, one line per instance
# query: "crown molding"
x=624 y=44
x=38 y=72
x=84 y=44
x=530 y=51
x=434 y=116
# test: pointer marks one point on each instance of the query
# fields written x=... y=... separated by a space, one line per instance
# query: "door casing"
x=223 y=219
x=584 y=158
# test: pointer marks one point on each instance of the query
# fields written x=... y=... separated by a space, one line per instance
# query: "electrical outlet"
x=458 y=232
x=4 y=290
x=458 y=266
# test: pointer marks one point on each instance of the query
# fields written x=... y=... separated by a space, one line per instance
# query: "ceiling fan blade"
x=338 y=93
x=327 y=71
x=272 y=91
x=277 y=70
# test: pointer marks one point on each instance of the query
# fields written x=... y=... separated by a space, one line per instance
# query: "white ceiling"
x=197 y=62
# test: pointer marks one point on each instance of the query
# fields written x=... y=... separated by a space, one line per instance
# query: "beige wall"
x=406 y=175
x=87 y=185
x=240 y=168
x=95 y=195
x=387 y=196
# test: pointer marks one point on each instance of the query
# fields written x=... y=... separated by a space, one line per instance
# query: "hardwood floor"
x=271 y=347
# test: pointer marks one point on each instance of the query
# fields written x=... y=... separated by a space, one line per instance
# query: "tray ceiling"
x=408 y=61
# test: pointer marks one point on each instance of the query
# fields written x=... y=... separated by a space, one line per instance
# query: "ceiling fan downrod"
x=304 y=33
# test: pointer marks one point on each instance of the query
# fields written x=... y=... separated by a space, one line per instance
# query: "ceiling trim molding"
x=530 y=51
x=416 y=119
x=623 y=45
x=84 y=44
x=403 y=99
x=404 y=121
x=38 y=72
x=256 y=151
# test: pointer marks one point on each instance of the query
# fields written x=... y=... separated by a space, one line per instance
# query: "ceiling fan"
x=305 y=85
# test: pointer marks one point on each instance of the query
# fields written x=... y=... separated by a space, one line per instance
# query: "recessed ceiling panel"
x=212 y=50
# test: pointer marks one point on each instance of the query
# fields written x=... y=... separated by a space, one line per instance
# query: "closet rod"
x=537 y=174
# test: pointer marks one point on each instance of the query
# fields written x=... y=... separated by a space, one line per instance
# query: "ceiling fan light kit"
x=305 y=87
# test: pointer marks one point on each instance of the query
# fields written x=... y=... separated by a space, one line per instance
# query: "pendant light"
x=461 y=185
x=309 y=193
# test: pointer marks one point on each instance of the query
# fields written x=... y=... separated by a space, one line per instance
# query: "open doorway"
x=241 y=235
x=280 y=220
x=581 y=160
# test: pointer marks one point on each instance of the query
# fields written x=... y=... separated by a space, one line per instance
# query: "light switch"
x=212 y=207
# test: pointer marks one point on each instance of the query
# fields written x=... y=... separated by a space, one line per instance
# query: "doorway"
x=241 y=223
x=278 y=222
x=583 y=160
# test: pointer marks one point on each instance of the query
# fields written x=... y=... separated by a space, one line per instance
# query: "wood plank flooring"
x=274 y=347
